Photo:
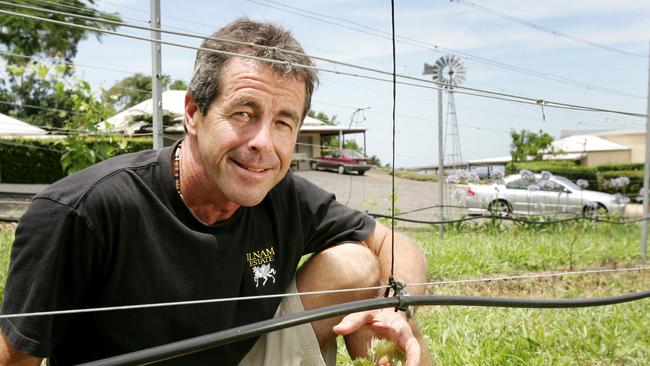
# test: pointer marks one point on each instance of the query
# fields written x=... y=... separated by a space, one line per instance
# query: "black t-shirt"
x=118 y=233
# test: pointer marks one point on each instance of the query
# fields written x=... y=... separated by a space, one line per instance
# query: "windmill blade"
x=429 y=69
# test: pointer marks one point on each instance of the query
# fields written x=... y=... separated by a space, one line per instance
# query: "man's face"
x=247 y=137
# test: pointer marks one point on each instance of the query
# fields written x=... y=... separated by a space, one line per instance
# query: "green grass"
x=6 y=238
x=611 y=335
x=473 y=251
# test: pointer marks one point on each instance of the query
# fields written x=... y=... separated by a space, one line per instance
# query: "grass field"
x=6 y=238
x=612 y=335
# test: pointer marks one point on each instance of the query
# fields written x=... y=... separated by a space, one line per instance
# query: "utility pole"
x=646 y=176
x=441 y=166
x=156 y=76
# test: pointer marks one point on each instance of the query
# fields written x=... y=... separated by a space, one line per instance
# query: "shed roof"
x=585 y=143
x=10 y=126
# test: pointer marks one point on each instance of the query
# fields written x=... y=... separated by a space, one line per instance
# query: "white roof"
x=313 y=124
x=10 y=126
x=173 y=101
x=585 y=143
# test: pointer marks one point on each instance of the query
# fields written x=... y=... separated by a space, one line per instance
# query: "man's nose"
x=262 y=139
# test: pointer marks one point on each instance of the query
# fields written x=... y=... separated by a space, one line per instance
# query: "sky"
x=597 y=57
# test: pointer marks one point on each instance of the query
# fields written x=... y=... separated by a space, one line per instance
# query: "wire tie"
x=541 y=102
x=398 y=291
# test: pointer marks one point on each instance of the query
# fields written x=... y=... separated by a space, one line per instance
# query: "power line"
x=22 y=105
x=538 y=101
x=53 y=62
x=465 y=90
x=436 y=48
x=4 y=142
x=412 y=117
x=545 y=29
x=88 y=11
x=607 y=119
x=192 y=22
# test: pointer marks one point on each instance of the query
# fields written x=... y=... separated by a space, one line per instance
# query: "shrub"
x=566 y=169
x=618 y=167
x=38 y=161
x=24 y=160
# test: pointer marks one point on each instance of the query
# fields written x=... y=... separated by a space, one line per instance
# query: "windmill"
x=449 y=72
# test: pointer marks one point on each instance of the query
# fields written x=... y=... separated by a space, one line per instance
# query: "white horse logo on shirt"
x=264 y=271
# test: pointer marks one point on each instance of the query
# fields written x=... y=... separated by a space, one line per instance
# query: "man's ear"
x=192 y=115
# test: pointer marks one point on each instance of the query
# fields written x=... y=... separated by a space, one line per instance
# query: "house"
x=137 y=119
x=634 y=139
x=590 y=150
x=11 y=127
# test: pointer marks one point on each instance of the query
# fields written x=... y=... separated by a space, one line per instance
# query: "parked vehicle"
x=342 y=161
x=532 y=195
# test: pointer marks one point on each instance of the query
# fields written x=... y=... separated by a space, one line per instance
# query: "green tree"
x=332 y=142
x=86 y=144
x=321 y=116
x=29 y=37
x=374 y=160
x=41 y=95
x=178 y=85
x=137 y=88
x=528 y=145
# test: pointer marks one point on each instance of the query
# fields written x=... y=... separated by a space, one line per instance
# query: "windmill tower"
x=449 y=72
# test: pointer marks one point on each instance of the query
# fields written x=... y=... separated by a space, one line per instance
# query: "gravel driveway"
x=371 y=192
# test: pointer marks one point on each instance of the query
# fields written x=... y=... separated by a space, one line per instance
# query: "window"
x=520 y=183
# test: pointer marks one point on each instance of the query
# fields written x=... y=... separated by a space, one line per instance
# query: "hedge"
x=618 y=167
x=38 y=161
x=566 y=169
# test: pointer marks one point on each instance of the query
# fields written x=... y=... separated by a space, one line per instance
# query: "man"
x=216 y=215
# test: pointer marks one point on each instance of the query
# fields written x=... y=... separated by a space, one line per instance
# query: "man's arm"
x=9 y=355
x=410 y=267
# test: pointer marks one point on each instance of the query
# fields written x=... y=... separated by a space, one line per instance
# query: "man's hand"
x=386 y=324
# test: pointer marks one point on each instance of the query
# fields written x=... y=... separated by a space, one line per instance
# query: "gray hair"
x=205 y=85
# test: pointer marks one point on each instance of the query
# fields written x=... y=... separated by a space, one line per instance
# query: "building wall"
x=595 y=158
x=308 y=147
x=636 y=143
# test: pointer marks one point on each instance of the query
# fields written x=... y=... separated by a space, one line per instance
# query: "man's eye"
x=242 y=115
x=285 y=125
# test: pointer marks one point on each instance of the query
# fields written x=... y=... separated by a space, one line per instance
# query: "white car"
x=536 y=195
